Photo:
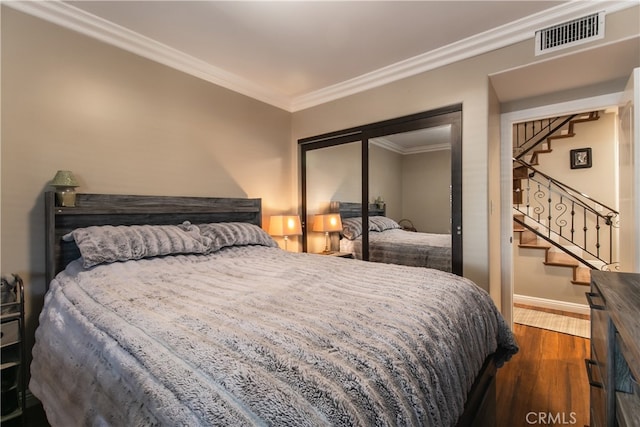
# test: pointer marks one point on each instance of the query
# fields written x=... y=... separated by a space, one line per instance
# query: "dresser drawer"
x=10 y=333
x=601 y=334
x=598 y=416
x=615 y=351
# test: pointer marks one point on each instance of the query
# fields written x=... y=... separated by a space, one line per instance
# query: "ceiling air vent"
x=571 y=33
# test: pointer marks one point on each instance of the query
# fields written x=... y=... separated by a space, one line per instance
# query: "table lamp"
x=285 y=226
x=65 y=184
x=327 y=223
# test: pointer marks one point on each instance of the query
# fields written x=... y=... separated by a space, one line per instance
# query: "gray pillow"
x=225 y=234
x=382 y=223
x=107 y=243
x=352 y=228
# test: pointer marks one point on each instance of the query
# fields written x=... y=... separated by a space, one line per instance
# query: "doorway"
x=506 y=212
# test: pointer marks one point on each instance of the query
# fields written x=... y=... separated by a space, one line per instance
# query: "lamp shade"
x=327 y=223
x=285 y=225
x=64 y=179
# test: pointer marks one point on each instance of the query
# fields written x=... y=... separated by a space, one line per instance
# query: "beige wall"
x=385 y=179
x=426 y=190
x=598 y=181
x=122 y=124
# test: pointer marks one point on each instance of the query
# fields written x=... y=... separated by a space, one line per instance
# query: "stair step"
x=582 y=276
x=517 y=227
x=537 y=245
x=529 y=239
x=543 y=150
x=564 y=135
x=561 y=259
x=576 y=250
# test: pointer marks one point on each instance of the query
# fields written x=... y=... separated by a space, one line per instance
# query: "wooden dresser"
x=614 y=367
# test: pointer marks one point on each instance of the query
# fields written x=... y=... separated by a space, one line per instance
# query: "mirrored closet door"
x=409 y=171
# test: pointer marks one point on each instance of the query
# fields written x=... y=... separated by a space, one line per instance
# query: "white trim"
x=68 y=16
x=392 y=146
x=563 y=108
x=570 y=307
x=507 y=120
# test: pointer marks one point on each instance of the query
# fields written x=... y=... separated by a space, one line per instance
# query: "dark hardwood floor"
x=545 y=383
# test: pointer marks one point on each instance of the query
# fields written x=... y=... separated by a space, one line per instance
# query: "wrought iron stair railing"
x=529 y=135
x=564 y=216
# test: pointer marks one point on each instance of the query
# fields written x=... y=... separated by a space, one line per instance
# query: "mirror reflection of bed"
x=389 y=242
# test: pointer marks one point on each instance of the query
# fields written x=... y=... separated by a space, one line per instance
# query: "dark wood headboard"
x=354 y=209
x=114 y=209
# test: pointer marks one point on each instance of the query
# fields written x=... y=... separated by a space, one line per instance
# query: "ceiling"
x=296 y=54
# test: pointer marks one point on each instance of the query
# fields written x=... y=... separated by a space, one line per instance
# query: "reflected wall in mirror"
x=332 y=173
x=411 y=171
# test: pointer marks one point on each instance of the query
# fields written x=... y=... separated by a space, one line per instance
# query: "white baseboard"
x=570 y=307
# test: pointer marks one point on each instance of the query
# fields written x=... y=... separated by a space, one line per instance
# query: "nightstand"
x=338 y=254
x=12 y=349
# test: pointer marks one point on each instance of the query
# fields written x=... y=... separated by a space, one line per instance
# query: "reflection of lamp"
x=65 y=184
x=285 y=226
x=327 y=223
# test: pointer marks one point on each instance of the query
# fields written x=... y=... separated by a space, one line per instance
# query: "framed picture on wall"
x=580 y=158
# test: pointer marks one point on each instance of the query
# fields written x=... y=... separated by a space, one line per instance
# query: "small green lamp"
x=65 y=184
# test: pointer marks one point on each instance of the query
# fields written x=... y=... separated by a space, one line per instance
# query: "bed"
x=241 y=332
x=389 y=242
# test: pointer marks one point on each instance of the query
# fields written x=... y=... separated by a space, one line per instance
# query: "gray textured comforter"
x=259 y=336
x=403 y=247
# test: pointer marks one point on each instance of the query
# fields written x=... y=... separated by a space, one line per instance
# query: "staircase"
x=581 y=273
x=573 y=230
x=535 y=137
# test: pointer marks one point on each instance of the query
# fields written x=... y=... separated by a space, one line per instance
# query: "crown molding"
x=396 y=148
x=478 y=44
x=75 y=19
